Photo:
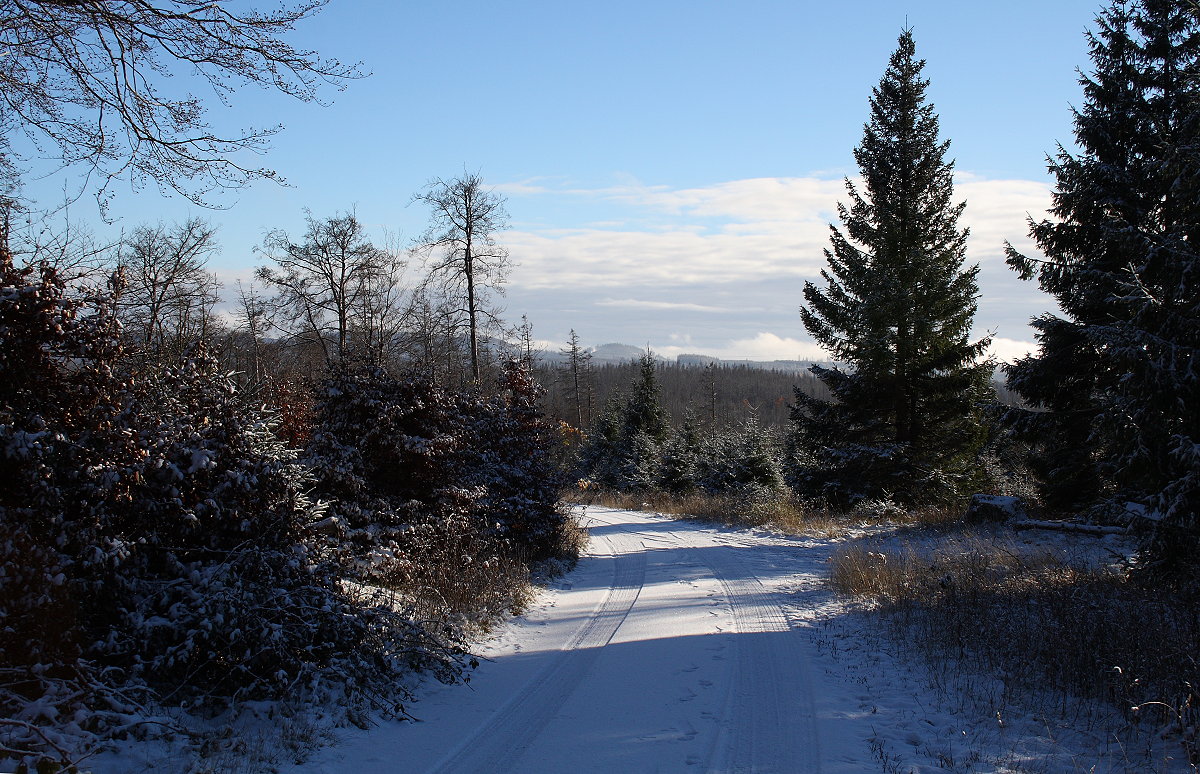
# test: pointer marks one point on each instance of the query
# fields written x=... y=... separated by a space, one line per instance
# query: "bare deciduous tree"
x=461 y=249
x=86 y=82
x=169 y=293
x=335 y=286
x=253 y=318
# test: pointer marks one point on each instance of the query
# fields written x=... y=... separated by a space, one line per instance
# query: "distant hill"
x=617 y=353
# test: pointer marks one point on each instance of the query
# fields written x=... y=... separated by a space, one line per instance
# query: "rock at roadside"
x=995 y=508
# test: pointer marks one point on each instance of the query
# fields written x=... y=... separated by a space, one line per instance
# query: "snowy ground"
x=681 y=647
x=676 y=646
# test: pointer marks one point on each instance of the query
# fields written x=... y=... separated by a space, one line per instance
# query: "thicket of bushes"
x=162 y=546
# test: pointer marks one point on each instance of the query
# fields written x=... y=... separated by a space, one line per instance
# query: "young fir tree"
x=644 y=414
x=599 y=457
x=743 y=457
x=680 y=457
x=624 y=448
x=515 y=466
x=644 y=429
x=1114 y=384
x=897 y=310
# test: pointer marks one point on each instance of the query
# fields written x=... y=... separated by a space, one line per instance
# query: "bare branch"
x=84 y=82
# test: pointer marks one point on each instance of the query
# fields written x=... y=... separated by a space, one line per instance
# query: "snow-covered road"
x=676 y=646
x=669 y=648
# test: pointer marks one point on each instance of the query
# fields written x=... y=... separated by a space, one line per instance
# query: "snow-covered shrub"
x=157 y=543
x=515 y=467
x=390 y=454
x=218 y=584
x=877 y=509
x=56 y=383
x=434 y=492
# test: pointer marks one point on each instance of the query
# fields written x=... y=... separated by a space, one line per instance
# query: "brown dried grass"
x=1035 y=620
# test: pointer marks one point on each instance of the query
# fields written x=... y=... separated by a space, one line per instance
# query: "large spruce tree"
x=897 y=311
x=1115 y=383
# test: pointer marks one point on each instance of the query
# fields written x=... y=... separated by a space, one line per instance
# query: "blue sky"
x=671 y=167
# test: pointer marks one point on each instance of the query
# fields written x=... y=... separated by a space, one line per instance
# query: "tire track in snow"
x=498 y=744
x=770 y=710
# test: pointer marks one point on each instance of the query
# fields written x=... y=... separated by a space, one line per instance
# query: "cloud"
x=677 y=257
x=751 y=229
x=739 y=251
x=998 y=211
x=522 y=188
x=763 y=200
x=630 y=303
x=1010 y=350
x=763 y=346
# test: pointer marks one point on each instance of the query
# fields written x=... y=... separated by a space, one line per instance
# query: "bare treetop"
x=465 y=216
x=84 y=83
x=461 y=248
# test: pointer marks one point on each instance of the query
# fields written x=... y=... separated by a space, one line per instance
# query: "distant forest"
x=718 y=394
x=714 y=394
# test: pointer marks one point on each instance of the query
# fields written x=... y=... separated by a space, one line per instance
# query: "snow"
x=662 y=651
x=999 y=507
x=676 y=646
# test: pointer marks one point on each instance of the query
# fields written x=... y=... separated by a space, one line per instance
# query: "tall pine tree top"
x=897 y=307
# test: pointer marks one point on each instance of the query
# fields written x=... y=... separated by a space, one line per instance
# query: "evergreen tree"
x=897 y=310
x=680 y=458
x=1114 y=384
x=740 y=458
x=598 y=454
x=516 y=467
x=644 y=413
x=644 y=430
x=625 y=446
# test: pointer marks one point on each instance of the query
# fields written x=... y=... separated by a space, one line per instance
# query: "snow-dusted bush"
x=236 y=593
x=157 y=543
x=515 y=467
x=877 y=509
x=389 y=454
x=55 y=382
x=413 y=469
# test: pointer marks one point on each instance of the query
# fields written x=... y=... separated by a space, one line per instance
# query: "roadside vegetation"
x=1052 y=629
